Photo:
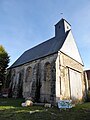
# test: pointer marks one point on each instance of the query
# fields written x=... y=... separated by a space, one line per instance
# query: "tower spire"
x=61 y=28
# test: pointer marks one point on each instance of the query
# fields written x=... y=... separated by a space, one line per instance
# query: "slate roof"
x=46 y=48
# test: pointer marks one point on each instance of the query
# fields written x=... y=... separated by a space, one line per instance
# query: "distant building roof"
x=88 y=74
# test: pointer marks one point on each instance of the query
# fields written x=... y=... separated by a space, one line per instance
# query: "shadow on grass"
x=10 y=109
x=44 y=114
x=27 y=113
x=11 y=102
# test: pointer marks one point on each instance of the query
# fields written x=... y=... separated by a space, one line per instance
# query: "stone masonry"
x=38 y=79
x=45 y=79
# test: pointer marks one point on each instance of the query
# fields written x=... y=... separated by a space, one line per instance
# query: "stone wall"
x=38 y=79
x=64 y=63
x=46 y=79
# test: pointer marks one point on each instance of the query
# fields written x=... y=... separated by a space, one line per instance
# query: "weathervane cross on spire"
x=61 y=15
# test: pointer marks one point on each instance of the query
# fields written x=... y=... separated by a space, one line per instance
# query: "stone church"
x=50 y=71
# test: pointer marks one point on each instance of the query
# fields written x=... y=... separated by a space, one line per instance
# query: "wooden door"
x=75 y=84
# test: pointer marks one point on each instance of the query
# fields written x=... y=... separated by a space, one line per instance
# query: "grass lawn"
x=10 y=109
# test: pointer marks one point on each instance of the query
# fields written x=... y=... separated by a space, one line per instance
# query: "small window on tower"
x=67 y=27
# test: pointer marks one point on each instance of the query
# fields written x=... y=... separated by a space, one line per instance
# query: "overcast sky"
x=26 y=23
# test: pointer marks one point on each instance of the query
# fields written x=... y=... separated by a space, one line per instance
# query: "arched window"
x=47 y=71
x=47 y=83
x=13 y=78
x=28 y=75
x=13 y=73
